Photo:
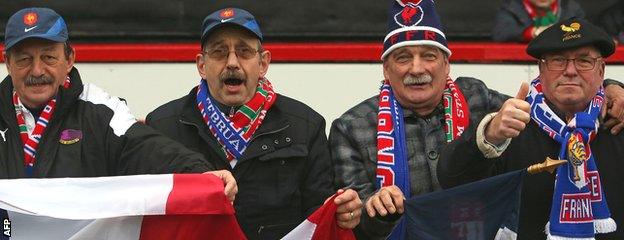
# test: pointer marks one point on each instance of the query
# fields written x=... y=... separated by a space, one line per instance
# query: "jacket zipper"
x=266 y=133
x=252 y=138
x=189 y=123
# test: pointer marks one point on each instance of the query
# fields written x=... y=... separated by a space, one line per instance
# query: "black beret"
x=568 y=34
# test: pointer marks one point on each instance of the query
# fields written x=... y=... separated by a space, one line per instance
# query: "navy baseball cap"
x=231 y=16
x=35 y=23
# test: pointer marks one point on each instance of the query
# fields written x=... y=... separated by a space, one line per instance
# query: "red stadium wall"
x=345 y=52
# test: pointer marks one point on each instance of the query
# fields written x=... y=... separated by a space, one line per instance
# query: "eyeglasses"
x=220 y=54
x=581 y=63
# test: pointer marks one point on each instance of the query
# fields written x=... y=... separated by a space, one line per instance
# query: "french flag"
x=321 y=225
x=168 y=206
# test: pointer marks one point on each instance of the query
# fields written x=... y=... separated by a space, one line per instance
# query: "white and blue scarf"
x=579 y=208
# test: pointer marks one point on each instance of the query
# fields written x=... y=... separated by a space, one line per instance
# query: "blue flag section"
x=482 y=210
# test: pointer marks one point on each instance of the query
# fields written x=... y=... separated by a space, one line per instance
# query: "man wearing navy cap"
x=387 y=147
x=275 y=146
x=560 y=119
x=53 y=125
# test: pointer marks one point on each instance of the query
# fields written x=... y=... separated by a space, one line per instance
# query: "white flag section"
x=321 y=225
x=171 y=206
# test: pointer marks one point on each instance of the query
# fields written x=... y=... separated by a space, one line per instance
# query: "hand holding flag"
x=229 y=183
x=349 y=208
x=322 y=224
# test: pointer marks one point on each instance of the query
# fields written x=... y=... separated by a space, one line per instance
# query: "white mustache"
x=420 y=79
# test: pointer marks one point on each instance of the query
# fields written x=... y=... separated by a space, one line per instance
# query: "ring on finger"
x=351 y=215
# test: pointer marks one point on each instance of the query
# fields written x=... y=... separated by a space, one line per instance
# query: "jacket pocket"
x=275 y=181
x=290 y=152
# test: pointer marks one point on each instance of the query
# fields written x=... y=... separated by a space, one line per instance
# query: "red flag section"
x=183 y=219
x=321 y=225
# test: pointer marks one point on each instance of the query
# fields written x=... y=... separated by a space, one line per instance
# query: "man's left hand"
x=349 y=208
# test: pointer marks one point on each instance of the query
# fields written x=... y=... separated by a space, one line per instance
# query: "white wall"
x=331 y=89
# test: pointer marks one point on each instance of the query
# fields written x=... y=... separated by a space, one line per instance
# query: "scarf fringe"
x=600 y=226
x=551 y=237
x=506 y=234
x=605 y=225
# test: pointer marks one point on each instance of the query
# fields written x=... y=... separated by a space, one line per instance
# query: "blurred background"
x=281 y=20
x=325 y=52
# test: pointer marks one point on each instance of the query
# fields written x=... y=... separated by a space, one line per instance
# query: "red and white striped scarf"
x=31 y=142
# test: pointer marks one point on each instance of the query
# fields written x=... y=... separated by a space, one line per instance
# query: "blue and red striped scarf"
x=392 y=166
x=579 y=208
x=235 y=133
x=31 y=141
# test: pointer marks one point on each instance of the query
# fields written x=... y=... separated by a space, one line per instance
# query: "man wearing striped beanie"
x=387 y=147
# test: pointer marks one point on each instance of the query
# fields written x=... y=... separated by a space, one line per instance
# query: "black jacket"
x=283 y=176
x=461 y=162
x=112 y=142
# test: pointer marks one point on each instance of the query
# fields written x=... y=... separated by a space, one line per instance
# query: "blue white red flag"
x=172 y=206
x=483 y=210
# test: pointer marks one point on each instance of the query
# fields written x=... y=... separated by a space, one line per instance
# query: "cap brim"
x=220 y=25
x=605 y=47
x=54 y=38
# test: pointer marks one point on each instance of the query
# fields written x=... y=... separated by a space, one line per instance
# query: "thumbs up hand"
x=511 y=119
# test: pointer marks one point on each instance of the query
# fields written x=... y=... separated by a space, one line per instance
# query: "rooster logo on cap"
x=411 y=14
x=572 y=28
x=227 y=13
x=30 y=18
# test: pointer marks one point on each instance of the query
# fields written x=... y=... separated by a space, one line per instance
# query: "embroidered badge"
x=70 y=136
x=570 y=32
x=411 y=15
x=30 y=18
x=227 y=13
x=577 y=155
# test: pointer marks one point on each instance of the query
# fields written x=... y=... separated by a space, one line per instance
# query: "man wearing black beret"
x=560 y=119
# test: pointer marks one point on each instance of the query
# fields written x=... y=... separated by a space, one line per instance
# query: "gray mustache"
x=32 y=80
x=420 y=79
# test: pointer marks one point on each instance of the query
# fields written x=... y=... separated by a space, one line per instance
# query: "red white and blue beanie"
x=413 y=22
